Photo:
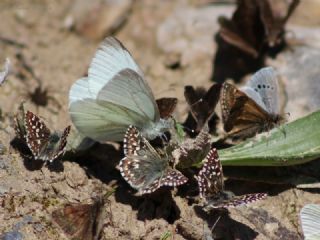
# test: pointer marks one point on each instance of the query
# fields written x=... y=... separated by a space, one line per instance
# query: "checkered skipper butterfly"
x=43 y=144
x=211 y=186
x=143 y=168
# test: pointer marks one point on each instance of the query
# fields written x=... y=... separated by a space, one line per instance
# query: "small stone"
x=188 y=32
x=98 y=18
x=11 y=236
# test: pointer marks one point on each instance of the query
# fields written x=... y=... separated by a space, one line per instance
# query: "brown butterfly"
x=81 y=221
x=192 y=151
x=166 y=106
x=202 y=104
x=256 y=25
x=254 y=109
x=256 y=29
x=274 y=14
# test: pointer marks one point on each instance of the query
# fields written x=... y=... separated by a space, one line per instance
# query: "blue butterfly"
x=113 y=96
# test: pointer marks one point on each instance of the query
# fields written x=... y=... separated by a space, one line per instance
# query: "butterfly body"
x=113 y=96
x=211 y=186
x=202 y=104
x=191 y=151
x=143 y=168
x=81 y=221
x=254 y=109
x=43 y=144
x=51 y=146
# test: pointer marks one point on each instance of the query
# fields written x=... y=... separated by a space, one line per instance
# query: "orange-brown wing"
x=242 y=116
x=166 y=106
x=79 y=221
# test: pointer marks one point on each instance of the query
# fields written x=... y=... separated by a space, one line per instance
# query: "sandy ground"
x=58 y=57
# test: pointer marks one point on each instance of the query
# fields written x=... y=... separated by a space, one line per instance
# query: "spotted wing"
x=210 y=177
x=37 y=134
x=173 y=178
x=236 y=201
x=143 y=168
x=242 y=116
x=56 y=148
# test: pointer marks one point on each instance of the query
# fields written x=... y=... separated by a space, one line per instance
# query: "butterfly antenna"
x=215 y=224
x=189 y=129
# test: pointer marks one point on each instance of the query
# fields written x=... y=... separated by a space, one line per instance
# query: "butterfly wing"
x=115 y=77
x=80 y=91
x=236 y=201
x=274 y=19
x=80 y=221
x=143 y=168
x=19 y=123
x=98 y=120
x=265 y=83
x=129 y=90
x=111 y=58
x=37 y=134
x=191 y=151
x=202 y=107
x=242 y=116
x=245 y=30
x=229 y=33
x=310 y=221
x=114 y=96
x=166 y=106
x=210 y=177
x=56 y=145
x=173 y=178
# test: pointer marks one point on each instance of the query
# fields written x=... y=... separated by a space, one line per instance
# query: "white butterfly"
x=310 y=221
x=113 y=96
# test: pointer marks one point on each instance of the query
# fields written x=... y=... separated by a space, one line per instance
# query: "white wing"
x=128 y=89
x=110 y=58
x=265 y=83
x=103 y=121
x=79 y=91
x=251 y=93
x=113 y=96
x=310 y=221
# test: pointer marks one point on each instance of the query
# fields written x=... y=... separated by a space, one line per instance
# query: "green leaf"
x=293 y=143
x=166 y=235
